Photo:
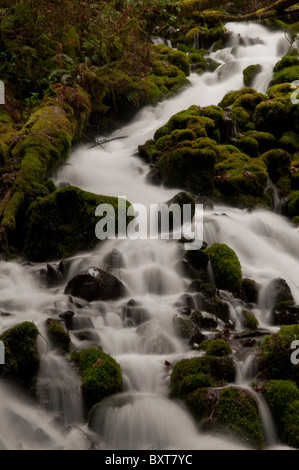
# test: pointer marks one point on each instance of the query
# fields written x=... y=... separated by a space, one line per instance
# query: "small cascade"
x=138 y=330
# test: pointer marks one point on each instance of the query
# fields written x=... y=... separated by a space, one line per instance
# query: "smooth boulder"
x=95 y=284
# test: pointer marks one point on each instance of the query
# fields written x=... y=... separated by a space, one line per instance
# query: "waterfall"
x=143 y=417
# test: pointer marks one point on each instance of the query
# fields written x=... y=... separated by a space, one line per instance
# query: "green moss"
x=266 y=141
x=241 y=118
x=226 y=267
x=282 y=397
x=21 y=355
x=248 y=145
x=58 y=335
x=218 y=347
x=230 y=98
x=276 y=353
x=271 y=116
x=218 y=369
x=286 y=75
x=249 y=320
x=286 y=61
x=238 y=412
x=63 y=223
x=293 y=204
x=250 y=73
x=278 y=163
x=101 y=375
x=200 y=403
x=289 y=141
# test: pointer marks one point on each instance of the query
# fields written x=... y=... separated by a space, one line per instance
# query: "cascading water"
x=139 y=331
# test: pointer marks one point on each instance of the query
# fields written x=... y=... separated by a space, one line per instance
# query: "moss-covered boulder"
x=63 y=223
x=101 y=375
x=286 y=75
x=249 y=320
x=282 y=397
x=237 y=411
x=95 y=284
x=271 y=116
x=226 y=267
x=218 y=370
x=242 y=180
x=21 y=355
x=278 y=163
x=249 y=290
x=293 y=204
x=250 y=73
x=58 y=335
x=216 y=347
x=276 y=354
x=41 y=145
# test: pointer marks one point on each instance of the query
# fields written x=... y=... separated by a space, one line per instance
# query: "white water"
x=142 y=417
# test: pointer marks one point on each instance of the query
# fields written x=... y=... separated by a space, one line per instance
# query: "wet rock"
x=194 y=264
x=154 y=176
x=184 y=327
x=208 y=321
x=134 y=313
x=21 y=354
x=161 y=344
x=181 y=199
x=95 y=284
x=285 y=314
x=57 y=334
x=278 y=291
x=114 y=259
x=249 y=290
x=67 y=318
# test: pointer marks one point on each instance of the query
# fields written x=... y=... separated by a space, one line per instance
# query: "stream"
x=143 y=417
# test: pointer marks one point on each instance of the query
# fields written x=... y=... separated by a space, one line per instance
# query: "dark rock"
x=154 y=176
x=114 y=259
x=197 y=338
x=208 y=321
x=280 y=291
x=194 y=264
x=134 y=313
x=67 y=318
x=249 y=290
x=95 y=284
x=182 y=199
x=283 y=314
x=184 y=327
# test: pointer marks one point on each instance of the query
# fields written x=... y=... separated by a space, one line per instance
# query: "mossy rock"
x=250 y=73
x=278 y=163
x=226 y=267
x=217 y=369
x=58 y=335
x=238 y=412
x=289 y=141
x=282 y=397
x=249 y=290
x=249 y=320
x=63 y=223
x=276 y=354
x=230 y=98
x=266 y=140
x=101 y=375
x=286 y=75
x=217 y=347
x=293 y=204
x=271 y=116
x=21 y=355
x=286 y=61
x=200 y=403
